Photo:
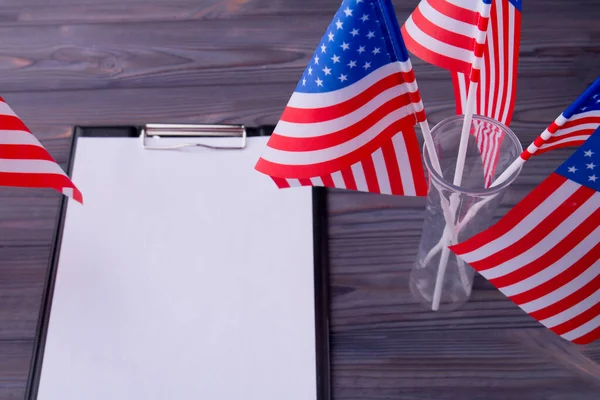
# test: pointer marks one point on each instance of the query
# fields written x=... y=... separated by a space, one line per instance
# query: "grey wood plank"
x=121 y=57
x=265 y=42
x=22 y=277
x=14 y=366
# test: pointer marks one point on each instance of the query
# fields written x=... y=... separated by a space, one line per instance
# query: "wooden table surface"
x=67 y=62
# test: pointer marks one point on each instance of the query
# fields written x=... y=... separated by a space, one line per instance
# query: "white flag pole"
x=480 y=38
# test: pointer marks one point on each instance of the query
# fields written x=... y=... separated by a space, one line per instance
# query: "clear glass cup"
x=470 y=208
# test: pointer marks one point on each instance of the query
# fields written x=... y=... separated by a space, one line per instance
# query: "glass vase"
x=440 y=280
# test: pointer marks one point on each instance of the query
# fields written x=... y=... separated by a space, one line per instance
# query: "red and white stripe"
x=488 y=138
x=23 y=160
x=563 y=132
x=545 y=256
x=441 y=32
x=379 y=172
x=496 y=92
x=483 y=17
x=359 y=137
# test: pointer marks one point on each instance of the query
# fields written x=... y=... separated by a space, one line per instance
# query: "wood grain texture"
x=67 y=62
x=14 y=366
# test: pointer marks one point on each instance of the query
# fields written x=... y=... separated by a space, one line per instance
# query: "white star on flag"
x=590 y=165
x=588 y=153
x=572 y=169
x=351 y=123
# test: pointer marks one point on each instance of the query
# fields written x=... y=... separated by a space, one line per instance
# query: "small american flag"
x=442 y=32
x=496 y=92
x=23 y=160
x=545 y=253
x=573 y=126
x=350 y=121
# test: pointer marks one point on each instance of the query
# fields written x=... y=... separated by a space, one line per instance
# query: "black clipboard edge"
x=322 y=299
x=321 y=269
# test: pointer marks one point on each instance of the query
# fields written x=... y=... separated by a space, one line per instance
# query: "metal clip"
x=188 y=130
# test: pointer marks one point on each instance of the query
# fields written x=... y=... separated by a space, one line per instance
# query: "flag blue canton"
x=588 y=101
x=591 y=104
x=355 y=44
x=583 y=166
x=517 y=3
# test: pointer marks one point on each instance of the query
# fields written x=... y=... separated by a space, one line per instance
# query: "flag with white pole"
x=572 y=128
x=496 y=92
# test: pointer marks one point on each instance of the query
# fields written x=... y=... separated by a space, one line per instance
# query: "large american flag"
x=545 y=253
x=350 y=121
x=496 y=92
x=23 y=160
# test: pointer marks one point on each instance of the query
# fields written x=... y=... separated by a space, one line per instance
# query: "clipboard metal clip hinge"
x=229 y=137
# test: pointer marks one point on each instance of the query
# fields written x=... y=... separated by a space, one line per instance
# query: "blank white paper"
x=185 y=275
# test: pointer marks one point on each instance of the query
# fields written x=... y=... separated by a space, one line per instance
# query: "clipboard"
x=179 y=137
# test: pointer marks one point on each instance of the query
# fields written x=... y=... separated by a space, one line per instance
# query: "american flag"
x=573 y=126
x=451 y=34
x=489 y=138
x=350 y=121
x=545 y=253
x=442 y=32
x=23 y=160
x=496 y=92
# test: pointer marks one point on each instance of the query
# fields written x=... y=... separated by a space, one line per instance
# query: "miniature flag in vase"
x=545 y=253
x=442 y=32
x=496 y=92
x=23 y=160
x=451 y=34
x=573 y=126
x=350 y=121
